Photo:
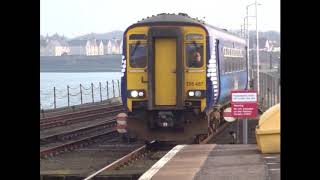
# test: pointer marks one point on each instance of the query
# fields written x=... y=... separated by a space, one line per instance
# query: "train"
x=177 y=76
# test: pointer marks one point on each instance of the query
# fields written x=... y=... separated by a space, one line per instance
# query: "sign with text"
x=244 y=104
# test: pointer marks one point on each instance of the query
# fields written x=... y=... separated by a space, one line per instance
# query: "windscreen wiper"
x=135 y=48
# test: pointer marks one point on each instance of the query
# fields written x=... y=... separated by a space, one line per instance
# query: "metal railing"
x=269 y=88
x=82 y=94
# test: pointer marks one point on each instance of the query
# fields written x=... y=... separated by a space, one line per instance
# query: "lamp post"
x=258 y=59
x=245 y=121
x=248 y=42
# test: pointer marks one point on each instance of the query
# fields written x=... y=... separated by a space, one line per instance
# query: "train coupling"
x=165 y=119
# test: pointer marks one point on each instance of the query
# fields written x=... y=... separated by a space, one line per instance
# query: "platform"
x=218 y=162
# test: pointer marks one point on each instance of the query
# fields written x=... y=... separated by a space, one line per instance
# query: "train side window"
x=238 y=63
x=242 y=64
x=194 y=55
x=232 y=64
x=223 y=67
x=228 y=65
x=138 y=55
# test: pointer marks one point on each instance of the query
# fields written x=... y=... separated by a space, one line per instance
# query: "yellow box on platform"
x=268 y=131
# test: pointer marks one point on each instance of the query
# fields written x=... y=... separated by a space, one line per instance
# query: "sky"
x=73 y=18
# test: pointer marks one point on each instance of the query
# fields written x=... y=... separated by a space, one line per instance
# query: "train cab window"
x=138 y=55
x=137 y=36
x=194 y=55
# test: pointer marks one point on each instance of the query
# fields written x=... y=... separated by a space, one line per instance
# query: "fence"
x=269 y=88
x=79 y=95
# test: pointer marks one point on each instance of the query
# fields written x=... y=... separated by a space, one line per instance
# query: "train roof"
x=182 y=18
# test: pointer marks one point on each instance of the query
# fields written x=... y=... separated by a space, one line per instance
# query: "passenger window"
x=138 y=55
x=242 y=64
x=238 y=64
x=232 y=65
x=194 y=55
x=227 y=65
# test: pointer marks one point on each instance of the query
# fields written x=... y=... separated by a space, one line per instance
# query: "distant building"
x=268 y=46
x=107 y=46
x=43 y=46
x=276 y=49
x=78 y=47
x=101 y=48
x=91 y=47
x=54 y=48
x=116 y=43
x=121 y=46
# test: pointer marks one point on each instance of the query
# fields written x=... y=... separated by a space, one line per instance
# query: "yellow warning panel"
x=165 y=71
x=268 y=131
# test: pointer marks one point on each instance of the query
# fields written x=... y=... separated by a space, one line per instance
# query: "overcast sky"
x=77 y=17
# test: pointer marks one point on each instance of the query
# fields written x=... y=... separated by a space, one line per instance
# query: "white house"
x=92 y=47
x=268 y=46
x=101 y=48
x=55 y=48
x=116 y=46
x=121 y=46
x=108 y=47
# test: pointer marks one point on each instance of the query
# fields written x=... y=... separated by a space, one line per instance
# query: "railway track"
x=80 y=116
x=79 y=131
x=131 y=166
x=77 y=108
x=60 y=147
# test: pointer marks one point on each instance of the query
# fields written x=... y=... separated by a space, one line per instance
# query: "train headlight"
x=134 y=94
x=198 y=93
x=191 y=93
x=137 y=94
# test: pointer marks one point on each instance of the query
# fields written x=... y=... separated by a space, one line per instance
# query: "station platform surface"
x=214 y=161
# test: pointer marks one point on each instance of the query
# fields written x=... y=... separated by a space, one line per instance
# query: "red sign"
x=244 y=104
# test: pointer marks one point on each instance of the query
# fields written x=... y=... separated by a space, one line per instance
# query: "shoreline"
x=79 y=71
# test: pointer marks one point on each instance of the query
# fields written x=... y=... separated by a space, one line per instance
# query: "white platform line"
x=157 y=166
x=274 y=169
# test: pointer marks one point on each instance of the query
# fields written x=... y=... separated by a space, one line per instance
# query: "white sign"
x=244 y=97
x=227 y=115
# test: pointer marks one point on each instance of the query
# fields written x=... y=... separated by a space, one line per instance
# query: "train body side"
x=228 y=52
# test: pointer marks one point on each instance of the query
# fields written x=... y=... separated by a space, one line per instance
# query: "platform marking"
x=270 y=157
x=156 y=167
x=274 y=169
x=272 y=163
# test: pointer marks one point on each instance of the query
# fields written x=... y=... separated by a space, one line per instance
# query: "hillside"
x=107 y=63
x=104 y=36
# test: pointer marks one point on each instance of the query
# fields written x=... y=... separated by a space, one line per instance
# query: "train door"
x=165 y=71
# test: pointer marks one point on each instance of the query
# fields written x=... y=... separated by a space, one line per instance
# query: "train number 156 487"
x=194 y=83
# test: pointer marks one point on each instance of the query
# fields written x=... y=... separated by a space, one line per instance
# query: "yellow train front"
x=164 y=78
